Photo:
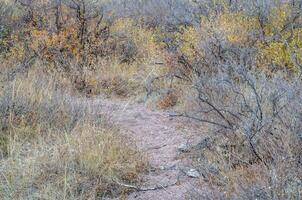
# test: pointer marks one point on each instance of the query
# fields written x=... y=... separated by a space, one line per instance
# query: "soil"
x=158 y=135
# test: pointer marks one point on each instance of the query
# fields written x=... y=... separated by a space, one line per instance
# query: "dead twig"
x=143 y=189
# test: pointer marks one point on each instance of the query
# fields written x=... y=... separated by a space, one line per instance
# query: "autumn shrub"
x=142 y=39
x=167 y=100
x=244 y=77
x=284 y=39
x=77 y=46
x=275 y=40
x=60 y=35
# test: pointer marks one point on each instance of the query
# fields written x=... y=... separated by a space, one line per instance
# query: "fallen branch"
x=157 y=187
x=200 y=119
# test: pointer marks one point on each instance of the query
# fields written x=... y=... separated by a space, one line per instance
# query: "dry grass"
x=53 y=147
x=113 y=79
x=83 y=164
x=228 y=165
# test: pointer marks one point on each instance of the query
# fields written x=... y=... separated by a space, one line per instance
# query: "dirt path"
x=158 y=136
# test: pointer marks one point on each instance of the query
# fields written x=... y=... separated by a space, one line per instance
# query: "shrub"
x=167 y=100
x=276 y=41
x=136 y=41
x=254 y=128
x=244 y=73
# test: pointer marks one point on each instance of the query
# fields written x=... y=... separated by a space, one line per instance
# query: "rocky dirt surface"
x=161 y=138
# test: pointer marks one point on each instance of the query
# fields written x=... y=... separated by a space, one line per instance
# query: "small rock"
x=203 y=144
x=193 y=173
x=183 y=148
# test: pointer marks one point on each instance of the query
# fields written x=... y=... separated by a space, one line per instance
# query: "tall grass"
x=54 y=147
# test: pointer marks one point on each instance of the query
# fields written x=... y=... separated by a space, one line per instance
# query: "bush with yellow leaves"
x=132 y=36
x=277 y=41
x=282 y=47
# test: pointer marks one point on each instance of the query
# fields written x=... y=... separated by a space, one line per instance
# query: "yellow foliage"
x=279 y=47
x=143 y=38
x=16 y=51
x=277 y=19
x=66 y=41
x=190 y=39
x=236 y=26
x=284 y=44
x=275 y=43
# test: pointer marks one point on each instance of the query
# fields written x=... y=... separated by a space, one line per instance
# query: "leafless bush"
x=155 y=12
x=256 y=120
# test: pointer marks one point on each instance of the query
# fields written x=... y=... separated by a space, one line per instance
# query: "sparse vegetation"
x=233 y=66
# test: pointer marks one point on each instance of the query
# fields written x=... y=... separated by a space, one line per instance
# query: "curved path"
x=158 y=136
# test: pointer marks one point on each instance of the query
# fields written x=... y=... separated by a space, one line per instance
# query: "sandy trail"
x=158 y=136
